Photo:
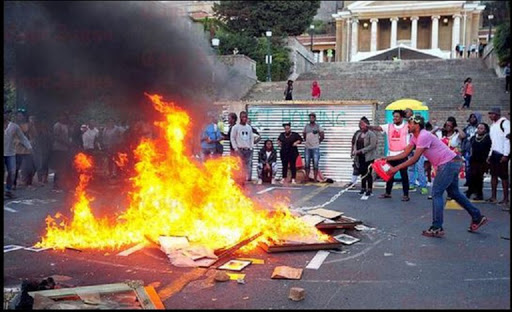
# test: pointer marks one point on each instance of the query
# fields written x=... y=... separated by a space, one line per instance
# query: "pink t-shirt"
x=435 y=151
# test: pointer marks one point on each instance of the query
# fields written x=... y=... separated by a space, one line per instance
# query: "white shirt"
x=500 y=143
x=385 y=129
x=268 y=154
x=88 y=138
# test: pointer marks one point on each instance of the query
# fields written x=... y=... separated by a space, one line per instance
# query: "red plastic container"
x=381 y=166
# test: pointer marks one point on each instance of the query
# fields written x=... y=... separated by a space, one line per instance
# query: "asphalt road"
x=392 y=267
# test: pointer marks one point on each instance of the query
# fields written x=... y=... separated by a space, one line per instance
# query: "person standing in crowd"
x=499 y=155
x=365 y=152
x=506 y=71
x=232 y=117
x=267 y=162
x=24 y=159
x=452 y=136
x=61 y=157
x=447 y=179
x=313 y=135
x=257 y=139
x=467 y=93
x=469 y=131
x=42 y=147
x=111 y=141
x=288 y=92
x=209 y=138
x=315 y=90
x=288 y=141
x=416 y=172
x=355 y=171
x=91 y=138
x=242 y=139
x=11 y=132
x=479 y=146
x=397 y=138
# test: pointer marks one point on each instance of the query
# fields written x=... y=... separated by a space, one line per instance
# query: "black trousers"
x=289 y=158
x=403 y=175
x=366 y=182
x=476 y=183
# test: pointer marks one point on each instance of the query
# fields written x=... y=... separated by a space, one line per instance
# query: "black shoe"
x=362 y=191
x=368 y=193
x=433 y=232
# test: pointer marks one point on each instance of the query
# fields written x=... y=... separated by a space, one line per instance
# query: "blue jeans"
x=246 y=156
x=418 y=170
x=447 y=179
x=311 y=153
x=10 y=165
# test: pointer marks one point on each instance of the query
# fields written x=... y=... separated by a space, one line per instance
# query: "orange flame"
x=121 y=160
x=172 y=195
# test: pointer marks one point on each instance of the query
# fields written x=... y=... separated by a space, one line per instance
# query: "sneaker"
x=362 y=191
x=429 y=184
x=433 y=232
x=293 y=181
x=260 y=181
x=424 y=191
x=364 y=197
x=429 y=197
x=476 y=225
x=273 y=181
x=282 y=181
x=348 y=185
x=412 y=188
x=369 y=193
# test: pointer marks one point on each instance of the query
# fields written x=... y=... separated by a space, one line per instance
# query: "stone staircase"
x=437 y=83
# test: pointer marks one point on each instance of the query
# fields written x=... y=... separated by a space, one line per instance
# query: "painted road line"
x=268 y=189
x=9 y=248
x=309 y=196
x=317 y=260
x=131 y=250
x=10 y=209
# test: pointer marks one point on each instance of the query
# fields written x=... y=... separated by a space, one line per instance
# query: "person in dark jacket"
x=288 y=142
x=480 y=145
x=267 y=162
x=288 y=92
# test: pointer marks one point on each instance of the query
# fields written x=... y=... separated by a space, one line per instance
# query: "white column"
x=355 y=27
x=414 y=31
x=321 y=56
x=348 y=49
x=394 y=21
x=435 y=31
x=373 y=41
x=455 y=33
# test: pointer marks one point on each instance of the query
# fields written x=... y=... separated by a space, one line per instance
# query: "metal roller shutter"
x=339 y=119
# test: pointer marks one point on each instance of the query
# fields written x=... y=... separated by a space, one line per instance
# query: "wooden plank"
x=331 y=244
x=131 y=250
x=222 y=253
x=65 y=292
x=155 y=299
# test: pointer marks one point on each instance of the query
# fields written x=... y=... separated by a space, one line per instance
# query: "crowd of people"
x=481 y=148
x=33 y=146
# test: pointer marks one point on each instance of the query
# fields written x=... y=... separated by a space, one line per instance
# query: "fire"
x=121 y=160
x=173 y=195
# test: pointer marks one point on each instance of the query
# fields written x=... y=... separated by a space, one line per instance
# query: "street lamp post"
x=268 y=57
x=490 y=17
x=311 y=29
x=215 y=44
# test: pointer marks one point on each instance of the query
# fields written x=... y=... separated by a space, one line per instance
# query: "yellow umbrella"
x=415 y=105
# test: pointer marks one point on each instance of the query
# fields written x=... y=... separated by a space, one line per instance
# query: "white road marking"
x=317 y=260
x=487 y=279
x=268 y=189
x=9 y=209
x=357 y=254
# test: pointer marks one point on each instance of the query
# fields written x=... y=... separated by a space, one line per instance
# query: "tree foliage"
x=501 y=43
x=253 y=18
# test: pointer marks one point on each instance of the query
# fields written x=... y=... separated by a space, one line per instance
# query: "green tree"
x=253 y=18
x=501 y=43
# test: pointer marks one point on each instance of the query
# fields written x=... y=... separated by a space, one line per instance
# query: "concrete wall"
x=302 y=59
x=491 y=60
x=244 y=64
x=241 y=76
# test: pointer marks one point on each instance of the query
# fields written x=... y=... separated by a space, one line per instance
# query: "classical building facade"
x=365 y=29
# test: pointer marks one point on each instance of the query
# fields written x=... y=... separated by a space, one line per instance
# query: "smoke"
x=100 y=57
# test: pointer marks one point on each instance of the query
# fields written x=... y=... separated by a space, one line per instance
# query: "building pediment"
x=403 y=6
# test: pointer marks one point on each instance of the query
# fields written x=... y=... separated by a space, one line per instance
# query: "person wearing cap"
x=288 y=141
x=499 y=155
x=313 y=135
x=448 y=164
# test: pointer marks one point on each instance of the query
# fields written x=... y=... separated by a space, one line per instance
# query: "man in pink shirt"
x=447 y=178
